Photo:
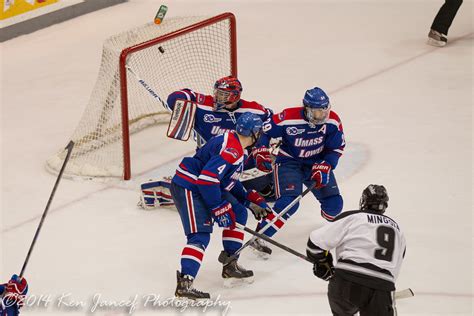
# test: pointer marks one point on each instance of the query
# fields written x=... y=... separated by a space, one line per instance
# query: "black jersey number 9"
x=386 y=240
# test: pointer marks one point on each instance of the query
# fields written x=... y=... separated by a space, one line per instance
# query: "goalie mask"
x=374 y=198
x=316 y=106
x=227 y=92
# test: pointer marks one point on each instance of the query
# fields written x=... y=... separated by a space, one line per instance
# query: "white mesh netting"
x=192 y=60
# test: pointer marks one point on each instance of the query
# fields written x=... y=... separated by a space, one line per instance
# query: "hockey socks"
x=232 y=240
x=193 y=253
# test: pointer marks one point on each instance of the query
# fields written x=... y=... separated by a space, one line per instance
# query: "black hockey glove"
x=323 y=268
x=258 y=211
x=257 y=204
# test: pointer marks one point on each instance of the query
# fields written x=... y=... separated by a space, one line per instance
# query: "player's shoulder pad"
x=253 y=107
x=346 y=214
x=334 y=119
x=355 y=212
x=231 y=150
x=289 y=115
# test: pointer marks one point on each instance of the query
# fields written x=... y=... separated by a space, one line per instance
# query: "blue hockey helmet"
x=227 y=92
x=317 y=106
x=249 y=124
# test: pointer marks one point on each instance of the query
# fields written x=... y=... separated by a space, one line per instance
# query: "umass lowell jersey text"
x=209 y=123
x=303 y=141
x=214 y=169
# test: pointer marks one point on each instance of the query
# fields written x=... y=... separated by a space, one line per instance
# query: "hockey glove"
x=263 y=159
x=320 y=174
x=224 y=215
x=257 y=205
x=323 y=268
x=15 y=291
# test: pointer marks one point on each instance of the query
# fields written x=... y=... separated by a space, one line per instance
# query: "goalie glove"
x=257 y=204
x=320 y=174
x=263 y=159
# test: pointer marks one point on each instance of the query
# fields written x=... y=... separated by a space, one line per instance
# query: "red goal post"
x=139 y=68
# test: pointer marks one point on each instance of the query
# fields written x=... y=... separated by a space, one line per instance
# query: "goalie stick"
x=149 y=89
x=182 y=116
x=398 y=295
x=68 y=155
x=264 y=228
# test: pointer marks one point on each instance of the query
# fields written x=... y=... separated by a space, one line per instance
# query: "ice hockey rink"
x=406 y=108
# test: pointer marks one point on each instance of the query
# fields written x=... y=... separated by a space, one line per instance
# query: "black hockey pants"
x=347 y=298
x=445 y=16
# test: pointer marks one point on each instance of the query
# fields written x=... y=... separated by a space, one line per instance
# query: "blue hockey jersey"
x=216 y=167
x=209 y=123
x=303 y=141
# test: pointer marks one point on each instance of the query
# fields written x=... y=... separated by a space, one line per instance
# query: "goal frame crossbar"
x=132 y=49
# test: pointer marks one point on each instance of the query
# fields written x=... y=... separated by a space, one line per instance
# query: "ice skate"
x=260 y=249
x=233 y=273
x=437 y=39
x=185 y=290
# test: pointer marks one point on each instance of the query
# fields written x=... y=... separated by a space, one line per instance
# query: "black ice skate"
x=261 y=249
x=436 y=38
x=185 y=290
x=232 y=273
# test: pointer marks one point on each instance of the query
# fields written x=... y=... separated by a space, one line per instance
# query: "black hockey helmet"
x=374 y=198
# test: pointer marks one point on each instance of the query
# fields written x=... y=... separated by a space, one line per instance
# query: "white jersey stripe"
x=232 y=239
x=195 y=248
x=293 y=122
x=255 y=111
x=207 y=178
x=192 y=176
x=362 y=270
x=191 y=258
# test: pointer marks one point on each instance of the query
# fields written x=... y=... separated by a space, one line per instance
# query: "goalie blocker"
x=182 y=120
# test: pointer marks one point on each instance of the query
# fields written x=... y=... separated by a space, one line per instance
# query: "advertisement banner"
x=11 y=8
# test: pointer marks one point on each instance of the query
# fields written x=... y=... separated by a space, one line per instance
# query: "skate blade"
x=186 y=300
x=259 y=254
x=234 y=282
x=436 y=43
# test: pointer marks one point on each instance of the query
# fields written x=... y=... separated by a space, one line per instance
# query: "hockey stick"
x=271 y=241
x=68 y=155
x=264 y=228
x=149 y=89
x=398 y=295
x=406 y=293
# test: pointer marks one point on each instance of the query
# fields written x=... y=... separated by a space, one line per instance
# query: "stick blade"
x=404 y=294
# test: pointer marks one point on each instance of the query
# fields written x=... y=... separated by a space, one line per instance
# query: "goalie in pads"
x=208 y=116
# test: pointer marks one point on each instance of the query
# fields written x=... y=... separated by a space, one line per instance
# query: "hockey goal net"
x=139 y=69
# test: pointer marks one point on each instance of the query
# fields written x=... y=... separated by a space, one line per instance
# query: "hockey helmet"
x=374 y=198
x=316 y=105
x=227 y=91
x=249 y=124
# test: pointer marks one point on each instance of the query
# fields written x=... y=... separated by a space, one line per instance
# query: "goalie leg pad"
x=156 y=194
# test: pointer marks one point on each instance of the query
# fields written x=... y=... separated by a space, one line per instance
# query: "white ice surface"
x=407 y=114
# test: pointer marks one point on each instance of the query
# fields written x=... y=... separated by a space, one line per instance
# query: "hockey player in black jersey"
x=370 y=248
